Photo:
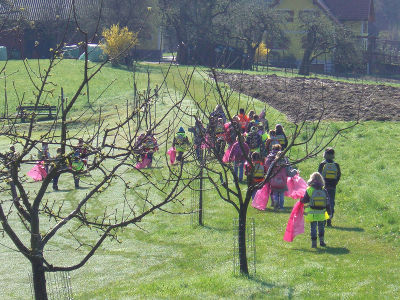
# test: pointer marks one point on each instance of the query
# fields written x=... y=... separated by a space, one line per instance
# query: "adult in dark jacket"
x=330 y=171
x=62 y=163
x=199 y=133
x=318 y=199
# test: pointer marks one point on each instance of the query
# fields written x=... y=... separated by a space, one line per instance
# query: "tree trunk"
x=39 y=279
x=38 y=274
x=244 y=269
x=251 y=52
x=182 y=54
x=305 y=63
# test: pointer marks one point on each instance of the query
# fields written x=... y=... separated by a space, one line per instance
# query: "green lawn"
x=68 y=76
x=171 y=259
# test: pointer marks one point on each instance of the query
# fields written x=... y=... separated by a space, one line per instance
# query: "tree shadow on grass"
x=222 y=229
x=64 y=190
x=350 y=229
x=335 y=250
x=82 y=188
x=268 y=285
x=156 y=168
x=285 y=210
x=328 y=250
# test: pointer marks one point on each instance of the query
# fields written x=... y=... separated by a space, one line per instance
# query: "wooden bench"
x=25 y=111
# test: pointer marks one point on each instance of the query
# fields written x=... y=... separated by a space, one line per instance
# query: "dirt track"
x=301 y=98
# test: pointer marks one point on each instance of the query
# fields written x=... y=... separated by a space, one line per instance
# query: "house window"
x=364 y=27
x=287 y=13
x=365 y=44
x=307 y=13
x=270 y=2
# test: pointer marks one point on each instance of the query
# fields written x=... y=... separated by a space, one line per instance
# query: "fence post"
x=201 y=197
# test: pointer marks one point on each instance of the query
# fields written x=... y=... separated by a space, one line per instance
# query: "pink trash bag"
x=297 y=187
x=295 y=225
x=37 y=173
x=207 y=143
x=261 y=197
x=172 y=155
x=143 y=164
x=225 y=159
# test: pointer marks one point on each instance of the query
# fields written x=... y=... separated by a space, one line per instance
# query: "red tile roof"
x=351 y=10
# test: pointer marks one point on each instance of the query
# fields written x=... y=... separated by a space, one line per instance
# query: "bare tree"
x=112 y=147
x=308 y=133
x=197 y=28
x=322 y=36
x=254 y=22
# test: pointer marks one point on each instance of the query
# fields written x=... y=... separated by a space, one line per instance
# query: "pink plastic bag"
x=225 y=159
x=37 y=173
x=261 y=197
x=295 y=224
x=143 y=164
x=297 y=187
x=208 y=143
x=172 y=154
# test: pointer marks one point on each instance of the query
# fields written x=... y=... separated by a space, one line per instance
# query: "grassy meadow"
x=167 y=258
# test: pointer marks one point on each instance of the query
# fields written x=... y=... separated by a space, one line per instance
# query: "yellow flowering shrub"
x=118 y=42
x=261 y=52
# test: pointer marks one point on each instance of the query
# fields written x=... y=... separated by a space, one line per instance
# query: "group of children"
x=252 y=148
x=76 y=161
x=146 y=145
x=248 y=136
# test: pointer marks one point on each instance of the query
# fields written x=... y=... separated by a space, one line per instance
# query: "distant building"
x=45 y=22
x=357 y=15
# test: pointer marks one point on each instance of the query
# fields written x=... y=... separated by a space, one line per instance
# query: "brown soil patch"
x=304 y=98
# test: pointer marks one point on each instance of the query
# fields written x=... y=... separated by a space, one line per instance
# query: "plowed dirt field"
x=301 y=98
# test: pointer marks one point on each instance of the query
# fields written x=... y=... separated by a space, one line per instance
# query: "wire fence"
x=58 y=286
x=250 y=246
x=197 y=212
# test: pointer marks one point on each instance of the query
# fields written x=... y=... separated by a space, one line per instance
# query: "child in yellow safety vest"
x=256 y=172
x=281 y=136
x=318 y=208
x=330 y=171
x=181 y=143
